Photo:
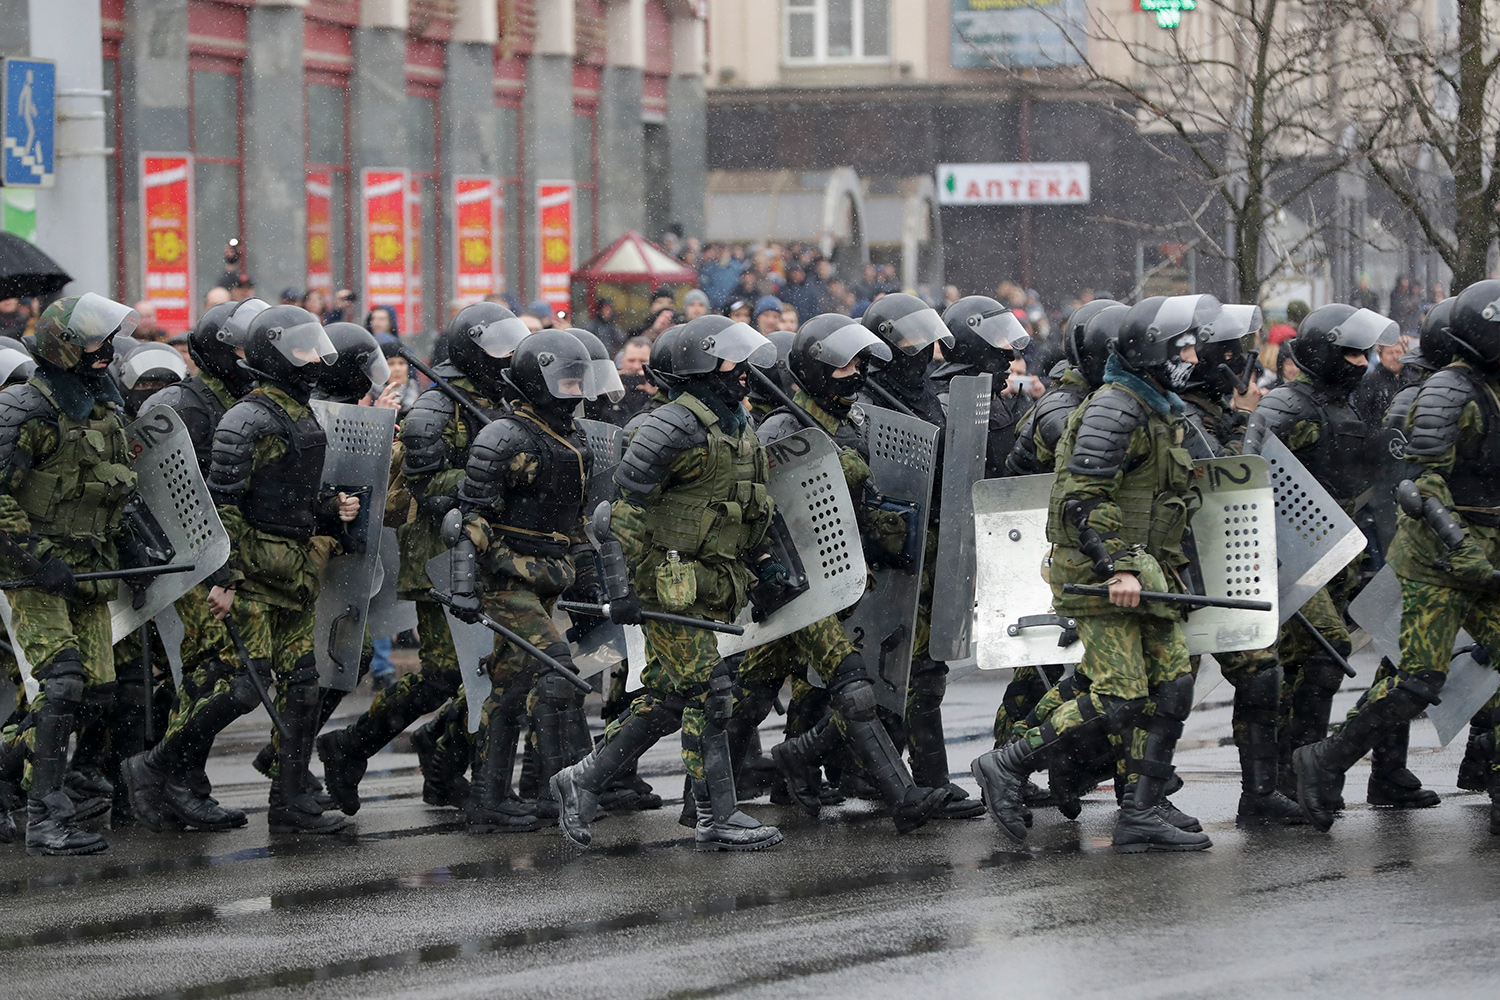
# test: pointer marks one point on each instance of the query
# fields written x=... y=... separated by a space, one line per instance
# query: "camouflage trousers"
x=823 y=645
x=13 y=706
x=511 y=669
x=1431 y=616
x=1023 y=695
x=437 y=680
x=1325 y=610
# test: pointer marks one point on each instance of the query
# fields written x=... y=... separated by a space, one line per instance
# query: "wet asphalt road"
x=407 y=905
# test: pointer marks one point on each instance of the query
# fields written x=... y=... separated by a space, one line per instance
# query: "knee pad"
x=562 y=653
x=850 y=670
x=555 y=691
x=1257 y=696
x=856 y=701
x=1174 y=698
x=1322 y=673
x=65 y=691
x=926 y=690
x=1120 y=715
x=242 y=689
x=668 y=702
x=98 y=699
x=67 y=663
x=754 y=704
x=1423 y=686
x=303 y=672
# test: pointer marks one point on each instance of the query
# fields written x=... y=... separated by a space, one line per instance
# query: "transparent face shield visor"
x=1000 y=330
x=307 y=344
x=847 y=343
x=1365 y=329
x=15 y=366
x=1233 y=322
x=576 y=378
x=95 y=319
x=377 y=369
x=151 y=362
x=919 y=330
x=500 y=338
x=739 y=343
x=1181 y=313
x=237 y=327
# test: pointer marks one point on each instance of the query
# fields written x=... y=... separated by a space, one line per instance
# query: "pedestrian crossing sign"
x=30 y=95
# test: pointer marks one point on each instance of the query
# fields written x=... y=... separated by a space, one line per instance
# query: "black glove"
x=465 y=607
x=773 y=574
x=54 y=576
x=625 y=610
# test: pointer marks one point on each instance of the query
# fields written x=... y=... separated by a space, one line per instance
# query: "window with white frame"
x=836 y=31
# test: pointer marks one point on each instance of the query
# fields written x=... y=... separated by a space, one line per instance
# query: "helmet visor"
x=15 y=365
x=921 y=329
x=1181 y=313
x=237 y=327
x=151 y=362
x=376 y=368
x=1364 y=329
x=95 y=319
x=1233 y=322
x=847 y=343
x=739 y=343
x=306 y=344
x=1002 y=330
x=576 y=378
x=499 y=339
x=607 y=381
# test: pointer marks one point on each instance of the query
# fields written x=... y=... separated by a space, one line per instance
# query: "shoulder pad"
x=1400 y=405
x=1283 y=408
x=669 y=431
x=422 y=433
x=232 y=461
x=175 y=395
x=1051 y=413
x=1435 y=412
x=18 y=404
x=490 y=457
x=1109 y=418
x=778 y=425
x=1022 y=460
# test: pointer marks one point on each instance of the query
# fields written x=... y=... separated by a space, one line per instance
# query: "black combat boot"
x=577 y=788
x=165 y=793
x=553 y=740
x=86 y=783
x=51 y=822
x=292 y=808
x=927 y=743
x=799 y=760
x=911 y=804
x=1256 y=697
x=721 y=825
x=1391 y=783
x=1311 y=709
x=1473 y=771
x=1002 y=775
x=492 y=806
x=443 y=755
x=1147 y=821
x=12 y=768
x=127 y=738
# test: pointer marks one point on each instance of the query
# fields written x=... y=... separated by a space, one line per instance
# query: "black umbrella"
x=26 y=272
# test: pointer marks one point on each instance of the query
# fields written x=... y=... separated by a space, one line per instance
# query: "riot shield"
x=358 y=462
x=607 y=444
x=903 y=453
x=1232 y=533
x=1377 y=610
x=1471 y=682
x=598 y=649
x=635 y=656
x=964 y=446
x=808 y=486
x=170 y=630
x=33 y=688
x=171 y=486
x=389 y=615
x=472 y=643
x=1315 y=539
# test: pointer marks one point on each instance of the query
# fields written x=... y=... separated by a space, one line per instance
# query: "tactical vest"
x=281 y=497
x=1474 y=481
x=1340 y=457
x=724 y=512
x=199 y=397
x=549 y=506
x=1152 y=497
x=81 y=488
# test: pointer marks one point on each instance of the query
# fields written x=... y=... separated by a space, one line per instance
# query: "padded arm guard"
x=490 y=459
x=1278 y=412
x=777 y=426
x=1435 y=414
x=422 y=434
x=669 y=431
x=1103 y=442
x=233 y=457
x=18 y=404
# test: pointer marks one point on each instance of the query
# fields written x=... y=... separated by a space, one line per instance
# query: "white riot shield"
x=172 y=487
x=964 y=447
x=607 y=445
x=600 y=649
x=807 y=484
x=357 y=460
x=170 y=630
x=471 y=643
x=903 y=460
x=389 y=615
x=635 y=656
x=29 y=682
x=1234 y=535
x=1377 y=610
x=1315 y=539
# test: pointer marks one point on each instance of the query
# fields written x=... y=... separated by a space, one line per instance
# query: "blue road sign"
x=30 y=122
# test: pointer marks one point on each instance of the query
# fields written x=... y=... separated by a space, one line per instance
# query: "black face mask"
x=105 y=353
x=726 y=385
x=845 y=389
x=1347 y=376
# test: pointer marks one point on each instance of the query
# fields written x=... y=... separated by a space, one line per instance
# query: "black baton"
x=1166 y=597
x=256 y=680
x=483 y=619
x=708 y=625
x=1322 y=640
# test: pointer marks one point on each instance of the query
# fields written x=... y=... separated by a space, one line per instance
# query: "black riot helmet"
x=553 y=371
x=141 y=369
x=825 y=344
x=909 y=328
x=777 y=373
x=360 y=368
x=1474 y=326
x=481 y=340
x=659 y=368
x=705 y=343
x=986 y=336
x=1088 y=343
x=1222 y=361
x=612 y=388
x=16 y=363
x=287 y=347
x=235 y=329
x=1332 y=331
x=1434 y=349
x=1156 y=331
x=217 y=357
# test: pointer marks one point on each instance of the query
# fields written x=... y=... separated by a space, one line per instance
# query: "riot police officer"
x=265 y=475
x=1086 y=336
x=64 y=483
x=987 y=337
x=142 y=369
x=1446 y=559
x=693 y=514
x=1118 y=511
x=436 y=437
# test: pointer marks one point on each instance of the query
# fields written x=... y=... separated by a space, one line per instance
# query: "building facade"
x=418 y=152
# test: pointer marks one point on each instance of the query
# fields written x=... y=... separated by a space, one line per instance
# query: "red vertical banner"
x=167 y=233
x=319 y=231
x=554 y=209
x=412 y=318
x=384 y=213
x=476 y=236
